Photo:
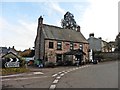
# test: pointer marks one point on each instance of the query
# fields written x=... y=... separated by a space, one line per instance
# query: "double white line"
x=62 y=73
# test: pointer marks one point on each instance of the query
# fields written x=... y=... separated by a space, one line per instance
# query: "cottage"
x=52 y=43
x=97 y=44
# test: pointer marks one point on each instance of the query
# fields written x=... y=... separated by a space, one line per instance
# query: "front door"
x=59 y=59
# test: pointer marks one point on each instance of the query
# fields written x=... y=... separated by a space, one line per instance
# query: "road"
x=102 y=75
x=97 y=76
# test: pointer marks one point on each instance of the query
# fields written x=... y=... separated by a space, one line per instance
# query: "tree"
x=117 y=42
x=27 y=53
x=69 y=22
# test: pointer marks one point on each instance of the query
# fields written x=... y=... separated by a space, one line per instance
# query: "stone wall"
x=51 y=53
x=109 y=56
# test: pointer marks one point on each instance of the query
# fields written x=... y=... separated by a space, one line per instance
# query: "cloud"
x=56 y=7
x=101 y=18
x=21 y=35
x=3 y=23
x=53 y=8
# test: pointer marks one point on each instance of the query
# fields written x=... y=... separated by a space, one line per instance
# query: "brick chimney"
x=91 y=35
x=40 y=21
x=100 y=38
x=78 y=29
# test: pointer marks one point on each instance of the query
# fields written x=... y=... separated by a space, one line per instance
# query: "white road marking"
x=52 y=87
x=58 y=77
x=38 y=73
x=23 y=78
x=61 y=74
x=54 y=75
x=71 y=70
x=84 y=66
x=15 y=75
x=87 y=65
x=5 y=79
x=66 y=72
x=76 y=68
x=63 y=71
x=81 y=67
x=11 y=75
x=55 y=81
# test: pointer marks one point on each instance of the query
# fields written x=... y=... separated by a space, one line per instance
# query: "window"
x=81 y=47
x=50 y=44
x=59 y=45
x=71 y=46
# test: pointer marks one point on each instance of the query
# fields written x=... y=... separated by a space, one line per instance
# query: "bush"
x=60 y=63
x=50 y=64
x=7 y=71
x=22 y=62
x=68 y=63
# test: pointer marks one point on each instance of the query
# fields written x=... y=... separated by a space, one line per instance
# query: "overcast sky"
x=18 y=20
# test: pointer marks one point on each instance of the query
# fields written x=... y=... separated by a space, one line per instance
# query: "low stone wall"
x=110 y=56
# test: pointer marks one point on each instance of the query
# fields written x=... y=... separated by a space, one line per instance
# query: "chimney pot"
x=40 y=21
x=91 y=35
x=100 y=38
x=78 y=29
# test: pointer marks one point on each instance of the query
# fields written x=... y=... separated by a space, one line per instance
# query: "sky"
x=19 y=19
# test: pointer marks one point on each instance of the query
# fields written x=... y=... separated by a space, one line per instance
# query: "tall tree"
x=69 y=22
x=117 y=40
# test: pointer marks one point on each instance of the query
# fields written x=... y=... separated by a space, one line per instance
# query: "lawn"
x=9 y=71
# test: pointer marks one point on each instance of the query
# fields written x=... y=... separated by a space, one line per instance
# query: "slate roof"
x=58 y=33
x=96 y=39
x=10 y=54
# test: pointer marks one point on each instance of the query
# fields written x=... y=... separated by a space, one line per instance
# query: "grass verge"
x=9 y=71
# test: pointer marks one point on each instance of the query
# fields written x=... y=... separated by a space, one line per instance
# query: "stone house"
x=111 y=46
x=52 y=42
x=97 y=44
x=5 y=50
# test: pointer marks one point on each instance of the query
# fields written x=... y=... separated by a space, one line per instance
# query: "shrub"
x=7 y=71
x=60 y=63
x=68 y=63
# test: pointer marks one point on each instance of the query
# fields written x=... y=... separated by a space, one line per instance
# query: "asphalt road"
x=103 y=75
